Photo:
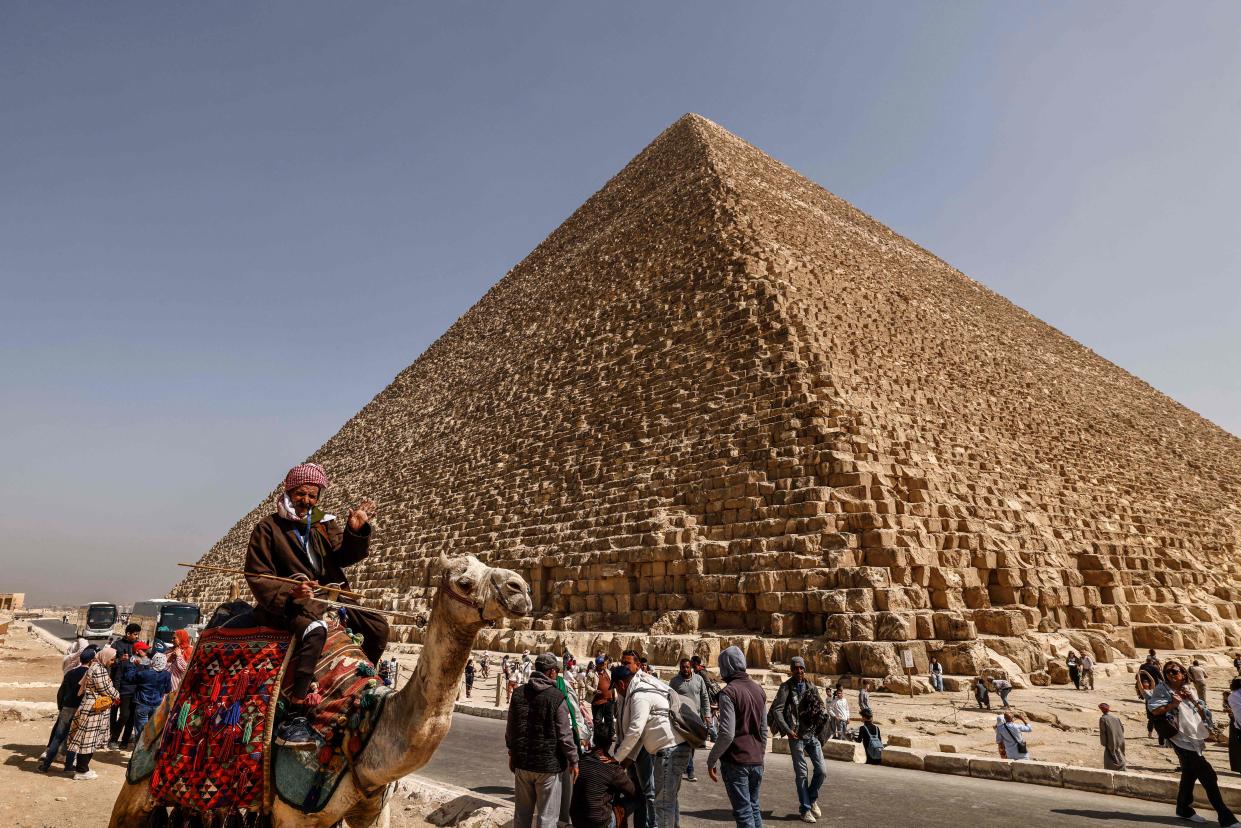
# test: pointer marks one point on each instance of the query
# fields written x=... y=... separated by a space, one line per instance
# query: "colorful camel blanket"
x=212 y=748
x=344 y=719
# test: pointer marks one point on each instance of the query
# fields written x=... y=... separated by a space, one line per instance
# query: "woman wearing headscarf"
x=72 y=658
x=179 y=660
x=91 y=726
x=154 y=682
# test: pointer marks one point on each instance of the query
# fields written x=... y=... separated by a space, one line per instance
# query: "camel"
x=415 y=719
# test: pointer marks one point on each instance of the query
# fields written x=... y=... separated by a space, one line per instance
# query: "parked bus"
x=95 y=620
x=161 y=617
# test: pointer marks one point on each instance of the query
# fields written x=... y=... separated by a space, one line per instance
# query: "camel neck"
x=418 y=716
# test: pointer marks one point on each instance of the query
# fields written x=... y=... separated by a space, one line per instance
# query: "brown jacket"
x=275 y=550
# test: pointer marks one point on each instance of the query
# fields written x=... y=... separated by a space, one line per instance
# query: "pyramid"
x=720 y=401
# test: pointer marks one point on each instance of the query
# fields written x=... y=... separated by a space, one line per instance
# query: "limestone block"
x=1159 y=636
x=991 y=768
x=1000 y=622
x=896 y=740
x=873 y=659
x=1087 y=778
x=1038 y=773
x=839 y=751
x=1146 y=786
x=954 y=763
x=903 y=757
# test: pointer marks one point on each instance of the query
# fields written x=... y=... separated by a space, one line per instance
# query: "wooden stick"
x=357 y=596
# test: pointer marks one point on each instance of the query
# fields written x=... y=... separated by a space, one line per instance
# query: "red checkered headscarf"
x=311 y=473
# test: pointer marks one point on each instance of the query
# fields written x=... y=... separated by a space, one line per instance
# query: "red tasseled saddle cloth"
x=212 y=750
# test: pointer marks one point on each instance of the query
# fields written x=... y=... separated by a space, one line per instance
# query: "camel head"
x=477 y=593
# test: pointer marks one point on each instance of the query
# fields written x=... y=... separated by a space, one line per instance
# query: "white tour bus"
x=95 y=620
x=161 y=617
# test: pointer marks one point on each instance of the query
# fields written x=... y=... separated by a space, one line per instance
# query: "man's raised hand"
x=360 y=516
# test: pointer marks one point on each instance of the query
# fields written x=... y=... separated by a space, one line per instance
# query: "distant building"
x=11 y=601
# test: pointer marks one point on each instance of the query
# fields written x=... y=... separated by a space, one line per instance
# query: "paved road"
x=473 y=756
x=55 y=627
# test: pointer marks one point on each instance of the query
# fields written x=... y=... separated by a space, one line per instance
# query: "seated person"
x=300 y=540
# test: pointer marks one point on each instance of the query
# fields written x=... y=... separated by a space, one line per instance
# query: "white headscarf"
x=72 y=657
x=159 y=662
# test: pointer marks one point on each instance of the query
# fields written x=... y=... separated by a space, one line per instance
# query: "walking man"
x=645 y=724
x=798 y=714
x=1112 y=738
x=1173 y=700
x=693 y=687
x=540 y=745
x=741 y=743
x=1199 y=677
x=1087 y=668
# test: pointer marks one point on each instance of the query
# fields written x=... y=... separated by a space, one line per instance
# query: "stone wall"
x=720 y=398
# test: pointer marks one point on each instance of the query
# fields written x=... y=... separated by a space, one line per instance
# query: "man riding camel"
x=301 y=541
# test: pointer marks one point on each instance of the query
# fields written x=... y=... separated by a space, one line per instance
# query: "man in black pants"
x=1176 y=703
x=123 y=673
x=300 y=540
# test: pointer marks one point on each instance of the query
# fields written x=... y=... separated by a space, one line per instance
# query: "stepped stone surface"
x=719 y=398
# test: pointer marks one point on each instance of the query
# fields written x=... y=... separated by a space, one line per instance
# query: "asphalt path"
x=473 y=756
x=56 y=627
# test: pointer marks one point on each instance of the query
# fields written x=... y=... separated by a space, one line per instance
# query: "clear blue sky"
x=225 y=226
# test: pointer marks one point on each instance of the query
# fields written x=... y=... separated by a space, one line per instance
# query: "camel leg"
x=133 y=806
x=370 y=813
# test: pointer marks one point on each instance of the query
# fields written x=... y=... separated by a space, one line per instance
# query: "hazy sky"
x=225 y=226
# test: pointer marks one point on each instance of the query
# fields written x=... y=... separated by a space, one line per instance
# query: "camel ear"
x=440 y=566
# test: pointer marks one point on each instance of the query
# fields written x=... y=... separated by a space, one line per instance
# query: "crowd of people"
x=107 y=695
x=608 y=744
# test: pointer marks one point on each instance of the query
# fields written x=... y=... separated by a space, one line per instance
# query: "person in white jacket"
x=838 y=713
x=644 y=723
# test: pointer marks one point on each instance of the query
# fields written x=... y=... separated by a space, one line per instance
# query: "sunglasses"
x=1175 y=671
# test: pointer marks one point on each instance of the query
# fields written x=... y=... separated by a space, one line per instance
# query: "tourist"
x=798 y=713
x=1075 y=673
x=1232 y=704
x=937 y=675
x=645 y=724
x=642 y=771
x=67 y=699
x=73 y=656
x=566 y=659
x=980 y=693
x=602 y=786
x=1236 y=663
x=1186 y=723
x=582 y=733
x=469 y=676
x=1086 y=664
x=1008 y=737
x=179 y=659
x=838 y=714
x=693 y=687
x=602 y=709
x=154 y=682
x=1112 y=738
x=741 y=743
x=1003 y=686
x=1198 y=676
x=863 y=697
x=298 y=540
x=871 y=739
x=539 y=738
x=122 y=674
x=90 y=727
x=1151 y=668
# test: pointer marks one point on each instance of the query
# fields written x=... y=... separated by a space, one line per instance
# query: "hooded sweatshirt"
x=742 y=723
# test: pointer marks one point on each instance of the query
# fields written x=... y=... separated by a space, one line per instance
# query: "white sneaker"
x=815 y=809
x=808 y=817
x=85 y=777
x=1195 y=818
x=42 y=756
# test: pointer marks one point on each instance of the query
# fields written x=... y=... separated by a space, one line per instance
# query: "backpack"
x=682 y=715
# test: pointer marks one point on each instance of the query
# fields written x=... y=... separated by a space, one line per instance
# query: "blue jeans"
x=669 y=765
x=800 y=750
x=742 y=783
x=60 y=733
x=643 y=775
x=937 y=681
x=142 y=715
